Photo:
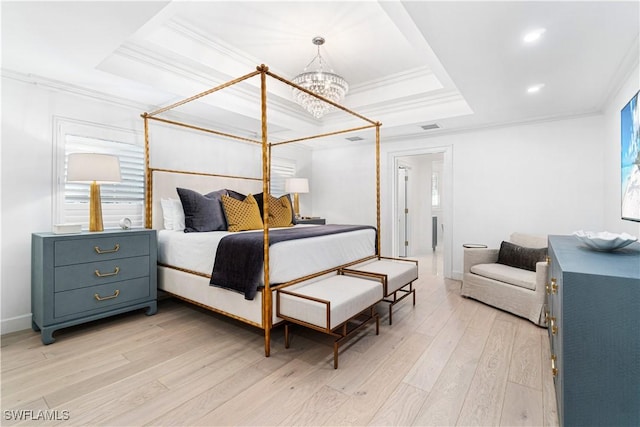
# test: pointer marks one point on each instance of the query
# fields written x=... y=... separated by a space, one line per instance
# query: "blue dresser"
x=77 y=278
x=593 y=305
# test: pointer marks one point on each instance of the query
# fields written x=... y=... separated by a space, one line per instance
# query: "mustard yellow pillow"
x=242 y=215
x=280 y=212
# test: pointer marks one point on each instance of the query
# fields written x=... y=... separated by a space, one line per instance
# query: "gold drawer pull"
x=548 y=288
x=554 y=370
x=115 y=295
x=116 y=248
x=554 y=328
x=116 y=271
x=554 y=286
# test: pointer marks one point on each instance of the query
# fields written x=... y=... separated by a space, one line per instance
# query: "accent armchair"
x=511 y=278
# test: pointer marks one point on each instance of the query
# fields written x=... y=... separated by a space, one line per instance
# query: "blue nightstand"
x=77 y=278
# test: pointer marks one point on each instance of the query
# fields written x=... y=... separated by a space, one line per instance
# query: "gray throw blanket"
x=239 y=257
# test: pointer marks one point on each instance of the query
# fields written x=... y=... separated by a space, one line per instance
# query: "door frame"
x=447 y=200
x=407 y=229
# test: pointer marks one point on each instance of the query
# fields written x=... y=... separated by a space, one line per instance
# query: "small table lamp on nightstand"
x=295 y=186
x=93 y=168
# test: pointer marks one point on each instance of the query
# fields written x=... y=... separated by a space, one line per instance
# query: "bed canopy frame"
x=263 y=71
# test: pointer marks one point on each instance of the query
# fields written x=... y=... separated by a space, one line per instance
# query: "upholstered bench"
x=337 y=305
x=397 y=277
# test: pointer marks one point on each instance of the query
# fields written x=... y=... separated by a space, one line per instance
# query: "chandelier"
x=319 y=78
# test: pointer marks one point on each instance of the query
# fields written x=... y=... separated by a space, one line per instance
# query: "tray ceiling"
x=409 y=64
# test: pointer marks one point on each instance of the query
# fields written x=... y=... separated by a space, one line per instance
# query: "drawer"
x=79 y=251
x=100 y=298
x=97 y=273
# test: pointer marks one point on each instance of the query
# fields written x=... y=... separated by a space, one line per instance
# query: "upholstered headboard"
x=165 y=183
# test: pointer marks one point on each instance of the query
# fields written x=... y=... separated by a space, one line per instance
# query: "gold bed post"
x=267 y=305
x=378 y=124
x=147 y=176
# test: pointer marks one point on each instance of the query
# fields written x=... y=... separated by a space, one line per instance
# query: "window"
x=281 y=169
x=124 y=199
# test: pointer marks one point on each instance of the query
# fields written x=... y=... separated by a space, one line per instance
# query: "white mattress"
x=287 y=260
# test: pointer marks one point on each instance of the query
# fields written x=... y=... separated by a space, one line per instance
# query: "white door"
x=403 y=211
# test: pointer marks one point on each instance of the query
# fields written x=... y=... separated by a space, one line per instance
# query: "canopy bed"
x=183 y=271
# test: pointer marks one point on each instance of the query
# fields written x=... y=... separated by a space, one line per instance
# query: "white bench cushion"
x=348 y=296
x=504 y=273
x=399 y=273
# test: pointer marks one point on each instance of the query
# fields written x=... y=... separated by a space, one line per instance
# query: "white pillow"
x=172 y=214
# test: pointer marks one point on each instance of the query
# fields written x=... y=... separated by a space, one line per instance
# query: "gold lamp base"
x=95 y=208
x=296 y=205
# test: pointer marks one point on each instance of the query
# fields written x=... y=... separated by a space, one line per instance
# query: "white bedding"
x=287 y=260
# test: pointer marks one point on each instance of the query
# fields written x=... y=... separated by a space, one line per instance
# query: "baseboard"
x=15 y=324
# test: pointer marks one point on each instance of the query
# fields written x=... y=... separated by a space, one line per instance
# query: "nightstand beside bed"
x=78 y=278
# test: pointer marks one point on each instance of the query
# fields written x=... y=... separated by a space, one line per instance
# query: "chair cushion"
x=504 y=273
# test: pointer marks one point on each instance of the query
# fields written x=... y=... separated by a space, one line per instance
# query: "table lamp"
x=295 y=186
x=93 y=168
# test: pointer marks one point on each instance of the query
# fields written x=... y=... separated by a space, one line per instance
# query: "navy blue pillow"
x=202 y=212
x=236 y=195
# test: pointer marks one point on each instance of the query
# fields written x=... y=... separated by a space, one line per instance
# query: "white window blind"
x=124 y=199
x=281 y=169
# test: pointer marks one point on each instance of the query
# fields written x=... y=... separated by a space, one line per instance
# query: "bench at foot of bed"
x=397 y=276
x=337 y=305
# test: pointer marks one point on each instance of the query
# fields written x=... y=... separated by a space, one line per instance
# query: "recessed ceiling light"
x=535 y=88
x=534 y=35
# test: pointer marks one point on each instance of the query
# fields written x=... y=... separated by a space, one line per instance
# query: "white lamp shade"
x=296 y=185
x=89 y=167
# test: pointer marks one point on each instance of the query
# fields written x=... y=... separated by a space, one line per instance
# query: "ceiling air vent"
x=355 y=138
x=431 y=126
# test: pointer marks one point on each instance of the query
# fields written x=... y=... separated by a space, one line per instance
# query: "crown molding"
x=403 y=77
x=60 y=86
x=443 y=131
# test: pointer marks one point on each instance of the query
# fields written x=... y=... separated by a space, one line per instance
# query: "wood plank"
x=427 y=369
x=401 y=407
x=485 y=397
x=522 y=406
x=374 y=392
x=317 y=409
x=243 y=406
x=526 y=366
x=168 y=347
x=443 y=405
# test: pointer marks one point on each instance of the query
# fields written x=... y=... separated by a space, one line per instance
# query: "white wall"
x=27 y=179
x=27 y=195
x=611 y=142
x=343 y=186
x=543 y=178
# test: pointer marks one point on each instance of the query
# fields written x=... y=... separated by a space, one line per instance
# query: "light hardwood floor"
x=446 y=361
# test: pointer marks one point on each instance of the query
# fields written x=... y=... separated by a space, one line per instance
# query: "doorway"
x=422 y=207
